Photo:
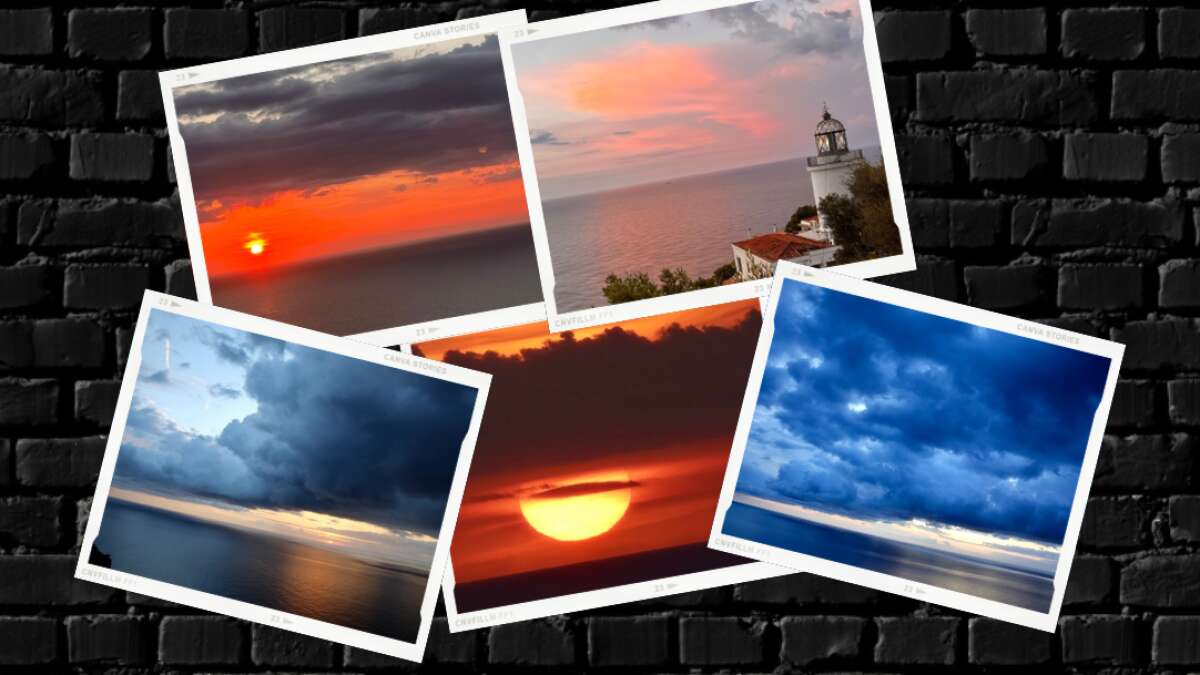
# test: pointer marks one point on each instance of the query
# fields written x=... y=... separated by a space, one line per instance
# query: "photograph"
x=280 y=481
x=679 y=146
x=359 y=186
x=599 y=463
x=916 y=446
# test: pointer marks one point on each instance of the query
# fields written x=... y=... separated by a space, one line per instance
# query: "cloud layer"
x=883 y=412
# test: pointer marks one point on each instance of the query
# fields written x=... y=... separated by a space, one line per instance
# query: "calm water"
x=688 y=222
x=262 y=570
x=394 y=287
x=926 y=566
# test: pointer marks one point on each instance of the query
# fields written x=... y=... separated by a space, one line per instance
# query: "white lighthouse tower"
x=832 y=166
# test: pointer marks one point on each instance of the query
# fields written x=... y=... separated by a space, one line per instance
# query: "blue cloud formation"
x=884 y=412
x=324 y=433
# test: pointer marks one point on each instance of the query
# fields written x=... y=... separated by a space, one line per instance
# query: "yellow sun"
x=575 y=516
x=255 y=244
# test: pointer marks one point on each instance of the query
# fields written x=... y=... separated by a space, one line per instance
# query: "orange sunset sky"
x=351 y=155
x=582 y=416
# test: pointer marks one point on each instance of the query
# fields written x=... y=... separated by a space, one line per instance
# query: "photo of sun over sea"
x=283 y=476
x=699 y=150
x=601 y=452
x=362 y=193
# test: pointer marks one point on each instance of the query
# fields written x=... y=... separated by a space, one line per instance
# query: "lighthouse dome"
x=830 y=135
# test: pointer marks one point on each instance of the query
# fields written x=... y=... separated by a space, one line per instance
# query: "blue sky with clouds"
x=885 y=413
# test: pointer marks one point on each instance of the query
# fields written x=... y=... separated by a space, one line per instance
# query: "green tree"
x=793 y=223
x=862 y=222
x=629 y=287
x=724 y=273
x=675 y=281
x=845 y=221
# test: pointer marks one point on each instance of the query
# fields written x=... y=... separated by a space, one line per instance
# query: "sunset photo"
x=362 y=193
x=601 y=453
x=930 y=449
x=698 y=149
x=283 y=476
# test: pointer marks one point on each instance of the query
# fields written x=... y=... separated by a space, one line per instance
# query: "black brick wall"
x=1052 y=158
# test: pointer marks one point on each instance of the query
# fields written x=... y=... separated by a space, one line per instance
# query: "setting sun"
x=579 y=509
x=256 y=244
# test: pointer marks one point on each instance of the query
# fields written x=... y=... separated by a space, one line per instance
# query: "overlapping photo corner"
x=916 y=446
x=282 y=476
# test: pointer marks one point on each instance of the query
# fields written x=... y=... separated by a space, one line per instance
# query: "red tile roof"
x=780 y=245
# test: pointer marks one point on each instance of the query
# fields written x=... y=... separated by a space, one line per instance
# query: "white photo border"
x=412 y=651
x=905 y=261
x=885 y=582
x=643 y=590
x=303 y=56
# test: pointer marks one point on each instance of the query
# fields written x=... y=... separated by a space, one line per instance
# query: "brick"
x=1147 y=463
x=65 y=343
x=113 y=34
x=1012 y=156
x=30 y=521
x=898 y=89
x=1179 y=283
x=1101 y=640
x=1183 y=398
x=1007 y=32
x=274 y=647
x=1162 y=343
x=40 y=580
x=1102 y=286
x=1008 y=287
x=977 y=223
x=352 y=657
x=1092 y=581
x=200 y=640
x=719 y=641
x=28 y=640
x=814 y=639
x=1181 y=157
x=1135 y=404
x=288 y=27
x=383 y=20
x=50 y=97
x=926 y=160
x=916 y=640
x=929 y=222
x=112 y=157
x=28 y=402
x=1184 y=513
x=1097 y=222
x=934 y=277
x=913 y=36
x=105 y=286
x=26 y=155
x=1165 y=94
x=1105 y=157
x=96 y=401
x=139 y=98
x=804 y=589
x=1177 y=31
x=6 y=477
x=107 y=222
x=26 y=32
x=181 y=281
x=59 y=462
x=1116 y=523
x=1164 y=581
x=16 y=344
x=108 y=638
x=629 y=641
x=447 y=647
x=83 y=510
x=1174 y=641
x=1103 y=34
x=1025 y=95
x=998 y=643
x=205 y=33
x=26 y=286
x=532 y=643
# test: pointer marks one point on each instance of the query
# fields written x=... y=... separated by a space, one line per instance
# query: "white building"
x=832 y=166
x=755 y=258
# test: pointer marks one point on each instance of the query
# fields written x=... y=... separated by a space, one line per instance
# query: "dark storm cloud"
x=578 y=489
x=222 y=391
x=330 y=434
x=614 y=394
x=884 y=412
x=307 y=127
x=824 y=32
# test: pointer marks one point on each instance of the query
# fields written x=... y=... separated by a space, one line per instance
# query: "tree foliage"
x=639 y=286
x=862 y=223
x=793 y=223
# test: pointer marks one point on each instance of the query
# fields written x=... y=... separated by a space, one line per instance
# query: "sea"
x=426 y=281
x=1011 y=586
x=262 y=570
x=686 y=222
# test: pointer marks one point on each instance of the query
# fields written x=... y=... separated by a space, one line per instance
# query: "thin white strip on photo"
x=207 y=315
x=721 y=540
